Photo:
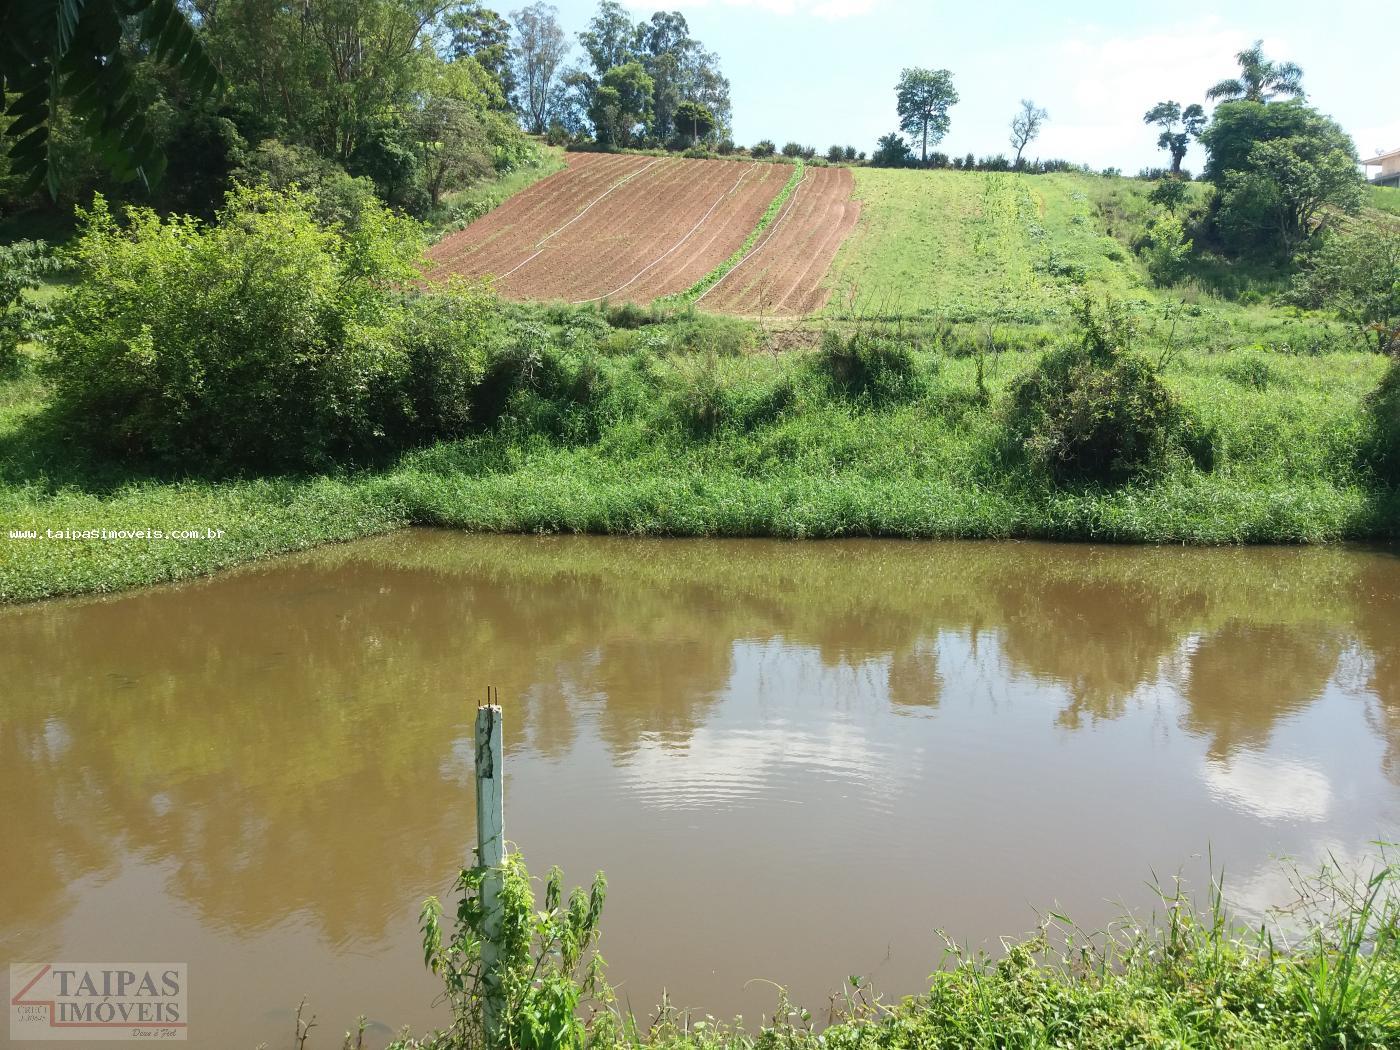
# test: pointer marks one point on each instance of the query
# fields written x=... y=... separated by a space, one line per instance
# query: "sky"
x=824 y=71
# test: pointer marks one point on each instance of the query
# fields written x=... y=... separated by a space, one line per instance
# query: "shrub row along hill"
x=287 y=381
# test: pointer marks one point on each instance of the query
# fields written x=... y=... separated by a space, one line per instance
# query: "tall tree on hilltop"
x=480 y=33
x=622 y=101
x=540 y=47
x=924 y=97
x=1260 y=79
x=1025 y=127
x=610 y=39
x=1179 y=126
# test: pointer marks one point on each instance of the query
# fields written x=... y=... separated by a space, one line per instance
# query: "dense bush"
x=763 y=148
x=793 y=149
x=1168 y=251
x=22 y=266
x=866 y=366
x=1356 y=273
x=269 y=340
x=335 y=196
x=1095 y=411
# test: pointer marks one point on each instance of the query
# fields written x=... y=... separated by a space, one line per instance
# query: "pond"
x=795 y=761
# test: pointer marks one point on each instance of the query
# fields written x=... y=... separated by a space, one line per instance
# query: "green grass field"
x=1386 y=199
x=974 y=246
x=1002 y=255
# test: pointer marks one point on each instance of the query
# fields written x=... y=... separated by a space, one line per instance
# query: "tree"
x=327 y=72
x=1279 y=168
x=480 y=33
x=540 y=47
x=1179 y=126
x=924 y=98
x=695 y=120
x=891 y=151
x=622 y=102
x=449 y=139
x=1279 y=199
x=611 y=38
x=1260 y=79
x=1235 y=128
x=1025 y=127
x=1356 y=272
x=63 y=53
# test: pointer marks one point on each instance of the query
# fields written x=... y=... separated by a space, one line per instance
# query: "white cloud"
x=1376 y=140
x=1107 y=82
x=1273 y=790
x=830 y=10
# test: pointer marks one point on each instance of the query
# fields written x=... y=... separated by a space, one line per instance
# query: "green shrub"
x=547 y=966
x=535 y=387
x=1253 y=370
x=336 y=196
x=1169 y=252
x=446 y=339
x=1355 y=271
x=865 y=366
x=763 y=148
x=22 y=266
x=268 y=340
x=1095 y=411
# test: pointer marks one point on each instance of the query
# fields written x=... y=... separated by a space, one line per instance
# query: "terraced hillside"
x=635 y=228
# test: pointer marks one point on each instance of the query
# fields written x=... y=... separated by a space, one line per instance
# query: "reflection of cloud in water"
x=1271 y=894
x=1271 y=789
x=728 y=768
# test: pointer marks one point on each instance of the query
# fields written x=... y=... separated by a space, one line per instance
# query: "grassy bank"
x=685 y=428
x=1322 y=973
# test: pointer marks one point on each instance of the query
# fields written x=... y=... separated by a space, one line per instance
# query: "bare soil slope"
x=785 y=274
x=629 y=228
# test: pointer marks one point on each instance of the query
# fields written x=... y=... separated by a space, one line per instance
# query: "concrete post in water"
x=490 y=852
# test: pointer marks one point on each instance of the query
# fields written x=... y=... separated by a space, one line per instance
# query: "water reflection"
x=287 y=747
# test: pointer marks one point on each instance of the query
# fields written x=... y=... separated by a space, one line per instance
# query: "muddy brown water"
x=794 y=761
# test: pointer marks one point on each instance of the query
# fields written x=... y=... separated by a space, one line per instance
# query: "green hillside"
x=1006 y=254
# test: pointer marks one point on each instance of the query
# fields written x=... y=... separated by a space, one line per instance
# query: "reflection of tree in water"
x=288 y=708
x=247 y=727
x=914 y=678
x=1378 y=626
x=1101 y=639
x=1244 y=678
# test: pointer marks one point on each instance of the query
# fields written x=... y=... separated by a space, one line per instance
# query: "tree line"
x=170 y=103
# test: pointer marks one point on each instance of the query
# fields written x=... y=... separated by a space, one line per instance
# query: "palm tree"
x=1260 y=79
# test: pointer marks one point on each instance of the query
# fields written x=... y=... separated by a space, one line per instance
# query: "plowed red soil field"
x=630 y=228
x=785 y=273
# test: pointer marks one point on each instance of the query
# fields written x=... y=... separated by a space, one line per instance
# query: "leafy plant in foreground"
x=70 y=52
x=547 y=964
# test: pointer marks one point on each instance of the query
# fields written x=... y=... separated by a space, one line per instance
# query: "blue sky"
x=823 y=71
